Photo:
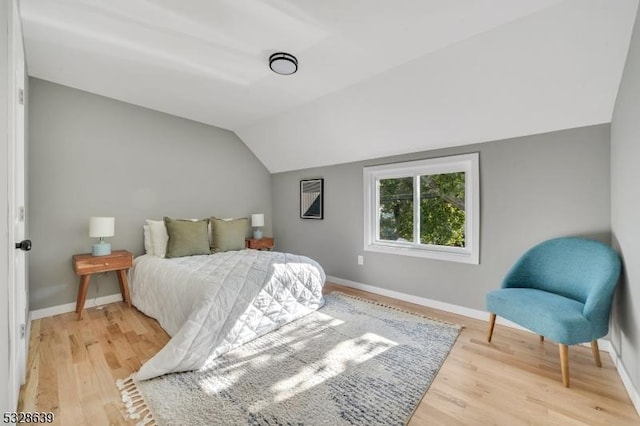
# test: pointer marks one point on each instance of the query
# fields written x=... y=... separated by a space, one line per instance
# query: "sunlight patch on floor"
x=335 y=362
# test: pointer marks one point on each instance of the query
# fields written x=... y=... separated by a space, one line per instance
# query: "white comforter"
x=212 y=304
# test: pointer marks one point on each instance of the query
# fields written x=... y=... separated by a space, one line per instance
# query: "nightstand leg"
x=82 y=294
x=124 y=286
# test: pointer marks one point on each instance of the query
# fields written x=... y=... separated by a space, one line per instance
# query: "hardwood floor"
x=515 y=380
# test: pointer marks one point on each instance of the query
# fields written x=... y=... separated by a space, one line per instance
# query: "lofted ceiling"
x=376 y=77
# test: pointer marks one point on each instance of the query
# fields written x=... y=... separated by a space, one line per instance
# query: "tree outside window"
x=441 y=213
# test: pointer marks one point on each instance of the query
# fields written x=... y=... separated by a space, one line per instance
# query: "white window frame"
x=467 y=163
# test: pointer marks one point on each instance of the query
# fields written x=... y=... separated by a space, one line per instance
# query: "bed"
x=211 y=304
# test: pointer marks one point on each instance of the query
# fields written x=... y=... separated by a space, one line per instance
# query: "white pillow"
x=159 y=236
x=148 y=245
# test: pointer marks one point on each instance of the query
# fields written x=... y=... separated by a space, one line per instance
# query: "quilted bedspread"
x=212 y=304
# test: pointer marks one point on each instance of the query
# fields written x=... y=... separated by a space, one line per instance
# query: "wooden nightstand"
x=86 y=264
x=265 y=243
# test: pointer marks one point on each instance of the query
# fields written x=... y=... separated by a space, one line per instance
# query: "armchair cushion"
x=548 y=314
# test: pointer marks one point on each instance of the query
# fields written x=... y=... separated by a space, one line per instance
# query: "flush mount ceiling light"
x=283 y=63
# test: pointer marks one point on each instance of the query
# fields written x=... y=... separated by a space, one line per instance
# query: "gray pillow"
x=229 y=234
x=187 y=237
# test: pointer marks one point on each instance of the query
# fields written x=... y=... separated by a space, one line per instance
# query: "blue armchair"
x=561 y=289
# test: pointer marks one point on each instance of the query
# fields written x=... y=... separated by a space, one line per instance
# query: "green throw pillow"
x=228 y=235
x=187 y=237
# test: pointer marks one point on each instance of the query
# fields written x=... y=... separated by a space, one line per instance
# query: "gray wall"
x=532 y=188
x=94 y=156
x=5 y=404
x=625 y=205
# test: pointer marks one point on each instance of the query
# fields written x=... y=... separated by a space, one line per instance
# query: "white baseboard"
x=71 y=307
x=423 y=301
x=604 y=345
x=626 y=380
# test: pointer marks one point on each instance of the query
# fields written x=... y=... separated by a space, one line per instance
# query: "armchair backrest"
x=576 y=268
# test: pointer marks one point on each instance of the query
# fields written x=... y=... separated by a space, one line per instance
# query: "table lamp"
x=257 y=221
x=101 y=227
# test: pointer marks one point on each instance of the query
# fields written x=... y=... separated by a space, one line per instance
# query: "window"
x=427 y=208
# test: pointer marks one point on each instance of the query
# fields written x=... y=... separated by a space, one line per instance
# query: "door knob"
x=24 y=245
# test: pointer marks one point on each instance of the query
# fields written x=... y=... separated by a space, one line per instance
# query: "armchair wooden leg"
x=596 y=352
x=564 y=363
x=492 y=323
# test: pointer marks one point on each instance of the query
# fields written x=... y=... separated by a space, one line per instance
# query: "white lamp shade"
x=257 y=219
x=102 y=227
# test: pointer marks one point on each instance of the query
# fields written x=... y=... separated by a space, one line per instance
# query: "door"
x=16 y=209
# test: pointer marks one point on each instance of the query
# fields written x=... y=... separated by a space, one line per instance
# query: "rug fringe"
x=134 y=402
x=395 y=308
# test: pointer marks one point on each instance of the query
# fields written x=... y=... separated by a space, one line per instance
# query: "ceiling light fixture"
x=283 y=63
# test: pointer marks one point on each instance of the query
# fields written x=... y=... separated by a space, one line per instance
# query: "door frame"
x=17 y=284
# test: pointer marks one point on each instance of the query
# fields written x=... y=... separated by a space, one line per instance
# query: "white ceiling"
x=376 y=77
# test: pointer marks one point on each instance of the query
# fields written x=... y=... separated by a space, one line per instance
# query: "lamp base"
x=101 y=249
x=257 y=234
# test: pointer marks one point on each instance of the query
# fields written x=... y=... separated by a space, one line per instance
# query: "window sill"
x=451 y=255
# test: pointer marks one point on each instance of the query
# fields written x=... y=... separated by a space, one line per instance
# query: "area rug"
x=352 y=362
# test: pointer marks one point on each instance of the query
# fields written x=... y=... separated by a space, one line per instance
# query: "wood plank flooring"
x=515 y=380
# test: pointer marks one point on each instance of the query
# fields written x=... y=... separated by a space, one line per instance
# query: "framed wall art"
x=312 y=199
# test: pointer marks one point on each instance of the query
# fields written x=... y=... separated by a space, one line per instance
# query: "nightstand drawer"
x=87 y=264
x=265 y=243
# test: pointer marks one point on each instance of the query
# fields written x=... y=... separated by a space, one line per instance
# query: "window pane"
x=396 y=209
x=442 y=213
